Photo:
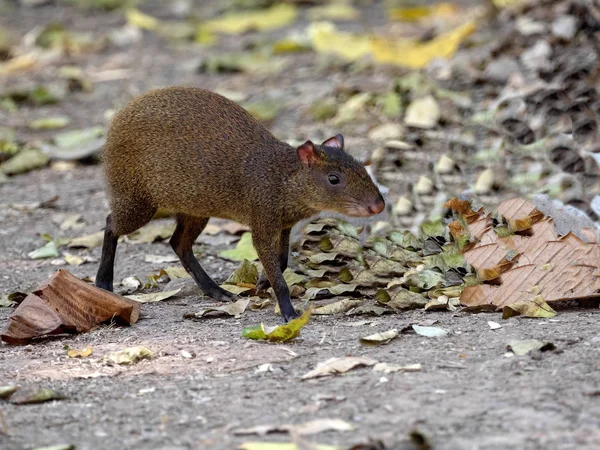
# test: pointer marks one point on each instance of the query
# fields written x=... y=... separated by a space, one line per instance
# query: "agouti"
x=198 y=155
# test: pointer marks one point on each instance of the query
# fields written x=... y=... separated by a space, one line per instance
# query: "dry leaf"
x=31 y=395
x=278 y=16
x=389 y=368
x=379 y=338
x=153 y=297
x=341 y=306
x=129 y=355
x=80 y=353
x=303 y=429
x=88 y=241
x=232 y=309
x=522 y=347
x=335 y=366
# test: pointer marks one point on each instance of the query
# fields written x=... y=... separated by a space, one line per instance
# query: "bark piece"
x=64 y=304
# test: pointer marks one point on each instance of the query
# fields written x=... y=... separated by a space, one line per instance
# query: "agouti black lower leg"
x=182 y=241
x=118 y=223
x=284 y=251
x=269 y=248
x=104 y=278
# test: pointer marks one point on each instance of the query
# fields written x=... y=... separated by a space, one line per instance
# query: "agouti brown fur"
x=198 y=155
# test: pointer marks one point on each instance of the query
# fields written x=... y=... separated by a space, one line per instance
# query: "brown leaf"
x=488 y=260
x=519 y=213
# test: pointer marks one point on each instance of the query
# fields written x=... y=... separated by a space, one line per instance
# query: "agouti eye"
x=333 y=179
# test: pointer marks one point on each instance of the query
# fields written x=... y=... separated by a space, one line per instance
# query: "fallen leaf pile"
x=522 y=262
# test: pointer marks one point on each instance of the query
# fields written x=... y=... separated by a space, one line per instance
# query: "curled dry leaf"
x=232 y=309
x=536 y=307
x=341 y=306
x=7 y=391
x=379 y=338
x=153 y=297
x=34 y=394
x=335 y=366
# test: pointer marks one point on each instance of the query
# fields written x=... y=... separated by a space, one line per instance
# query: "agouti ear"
x=336 y=142
x=307 y=153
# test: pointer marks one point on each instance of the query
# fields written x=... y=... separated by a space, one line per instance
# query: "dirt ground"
x=470 y=393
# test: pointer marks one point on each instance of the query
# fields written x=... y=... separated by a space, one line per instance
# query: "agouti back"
x=199 y=155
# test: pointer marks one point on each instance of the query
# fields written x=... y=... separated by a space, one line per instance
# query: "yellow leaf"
x=418 y=12
x=326 y=39
x=80 y=353
x=333 y=11
x=277 y=16
x=407 y=53
x=138 y=19
x=505 y=3
x=290 y=330
x=416 y=55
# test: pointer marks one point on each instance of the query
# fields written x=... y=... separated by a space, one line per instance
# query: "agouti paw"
x=263 y=283
x=290 y=315
x=223 y=296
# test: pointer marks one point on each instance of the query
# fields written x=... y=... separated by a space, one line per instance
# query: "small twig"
x=450 y=366
x=3 y=425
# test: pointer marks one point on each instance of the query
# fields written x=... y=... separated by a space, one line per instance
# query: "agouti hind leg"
x=104 y=277
x=188 y=229
x=118 y=223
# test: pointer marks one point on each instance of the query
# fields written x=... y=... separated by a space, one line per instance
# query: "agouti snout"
x=199 y=155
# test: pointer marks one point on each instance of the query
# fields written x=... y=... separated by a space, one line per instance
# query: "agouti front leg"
x=268 y=247
x=284 y=251
x=188 y=229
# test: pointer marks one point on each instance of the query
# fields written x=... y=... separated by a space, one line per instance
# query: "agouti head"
x=333 y=180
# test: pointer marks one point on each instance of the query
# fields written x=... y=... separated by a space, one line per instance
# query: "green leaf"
x=406 y=240
x=246 y=273
x=433 y=229
x=47 y=251
x=292 y=278
x=243 y=250
x=24 y=161
x=78 y=144
x=49 y=123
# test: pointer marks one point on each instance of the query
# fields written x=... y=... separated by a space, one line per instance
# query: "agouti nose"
x=377 y=207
